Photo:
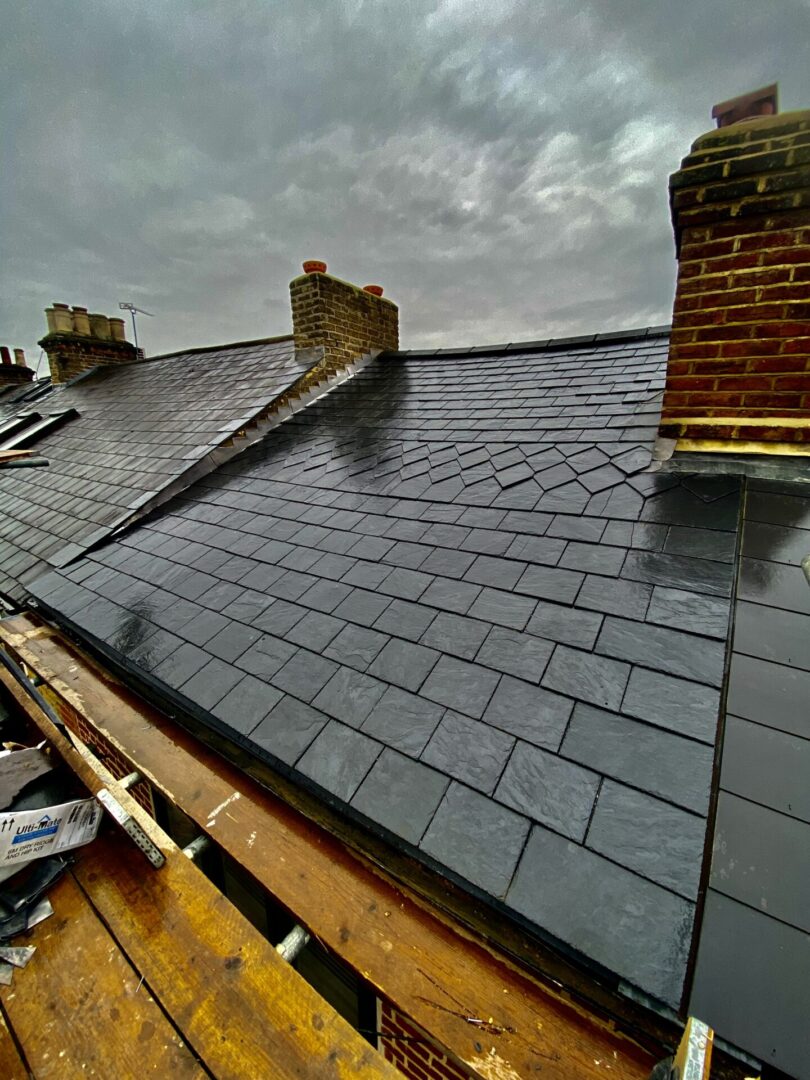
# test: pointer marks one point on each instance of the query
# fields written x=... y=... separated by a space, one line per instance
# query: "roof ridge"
x=638 y=334
x=217 y=348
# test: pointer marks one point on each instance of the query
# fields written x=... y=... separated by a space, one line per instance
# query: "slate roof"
x=449 y=596
x=751 y=980
x=140 y=427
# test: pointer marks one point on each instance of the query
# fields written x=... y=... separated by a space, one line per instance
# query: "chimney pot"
x=100 y=327
x=63 y=320
x=19 y=358
x=314 y=266
x=81 y=323
x=5 y=355
x=375 y=290
x=762 y=102
x=117 y=330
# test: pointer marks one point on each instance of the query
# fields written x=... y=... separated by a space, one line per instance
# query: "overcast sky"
x=499 y=166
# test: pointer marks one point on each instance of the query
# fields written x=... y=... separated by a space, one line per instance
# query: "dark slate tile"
x=248 y=606
x=502 y=608
x=662 y=764
x=701 y=543
x=516 y=654
x=403 y=720
x=648 y=536
x=401 y=795
x=528 y=712
x=349 y=696
x=181 y=665
x=315 y=630
x=790 y=509
x=153 y=648
x=203 y=627
x=230 y=643
x=782 y=637
x=339 y=759
x=628 y=598
x=456 y=635
x=288 y=729
x=355 y=646
x=678 y=506
x=678 y=572
x=569 y=626
x=687 y=708
x=775 y=543
x=404 y=664
x=448 y=563
x=468 y=750
x=407 y=554
x=762 y=858
x=362 y=606
x=551 y=583
x=654 y=838
x=449 y=595
x=587 y=677
x=494 y=572
x=367 y=575
x=325 y=595
x=405 y=619
x=486 y=542
x=526 y=521
x=689 y=611
x=459 y=685
x=548 y=789
x=545 y=550
x=574 y=527
x=211 y=683
x=765 y=962
x=279 y=618
x=289 y=586
x=478 y=839
x=304 y=674
x=676 y=653
x=767 y=766
x=631 y=926
x=594 y=558
x=406 y=584
x=775 y=584
x=243 y=707
x=769 y=694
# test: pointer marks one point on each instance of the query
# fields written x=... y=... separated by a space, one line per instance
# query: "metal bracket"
x=131 y=827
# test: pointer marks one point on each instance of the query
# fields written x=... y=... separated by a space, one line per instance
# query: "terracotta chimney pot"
x=375 y=290
x=5 y=355
x=117 y=330
x=100 y=327
x=63 y=320
x=81 y=323
x=314 y=266
x=19 y=358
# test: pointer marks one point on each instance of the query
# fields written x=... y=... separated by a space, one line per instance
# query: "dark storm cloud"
x=499 y=166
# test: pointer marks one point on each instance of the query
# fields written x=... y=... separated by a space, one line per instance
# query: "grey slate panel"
x=140 y=427
x=753 y=755
x=431 y=585
x=400 y=794
x=770 y=694
x=620 y=920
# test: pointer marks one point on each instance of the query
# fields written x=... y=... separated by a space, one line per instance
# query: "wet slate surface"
x=751 y=975
x=458 y=569
x=139 y=428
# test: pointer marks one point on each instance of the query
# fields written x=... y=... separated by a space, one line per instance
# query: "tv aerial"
x=133 y=311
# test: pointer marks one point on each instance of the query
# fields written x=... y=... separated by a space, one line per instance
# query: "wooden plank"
x=77 y=1009
x=12 y=1066
x=243 y=1010
x=486 y=1011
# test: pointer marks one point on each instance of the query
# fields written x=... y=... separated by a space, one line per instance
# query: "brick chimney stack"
x=77 y=341
x=738 y=376
x=16 y=373
x=345 y=320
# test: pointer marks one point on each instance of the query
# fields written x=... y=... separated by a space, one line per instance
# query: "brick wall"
x=740 y=348
x=71 y=354
x=413 y=1052
x=344 y=320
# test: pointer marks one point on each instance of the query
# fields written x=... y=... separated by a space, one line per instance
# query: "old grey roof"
x=751 y=980
x=139 y=428
x=449 y=597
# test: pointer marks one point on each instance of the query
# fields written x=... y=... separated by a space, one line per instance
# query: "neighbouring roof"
x=140 y=427
x=449 y=597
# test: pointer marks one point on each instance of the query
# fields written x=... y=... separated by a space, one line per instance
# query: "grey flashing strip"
x=760 y=466
x=641 y=334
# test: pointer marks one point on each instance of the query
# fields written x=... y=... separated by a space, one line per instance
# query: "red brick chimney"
x=16 y=373
x=346 y=321
x=77 y=341
x=739 y=359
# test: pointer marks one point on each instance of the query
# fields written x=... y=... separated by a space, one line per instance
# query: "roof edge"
x=640 y=334
x=218 y=348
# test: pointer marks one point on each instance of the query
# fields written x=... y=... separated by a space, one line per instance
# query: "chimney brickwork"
x=77 y=341
x=346 y=321
x=16 y=372
x=739 y=360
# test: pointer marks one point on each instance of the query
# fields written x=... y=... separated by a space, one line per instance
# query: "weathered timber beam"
x=240 y=1007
